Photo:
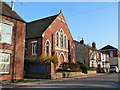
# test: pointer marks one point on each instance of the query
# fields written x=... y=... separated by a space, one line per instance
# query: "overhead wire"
x=93 y=10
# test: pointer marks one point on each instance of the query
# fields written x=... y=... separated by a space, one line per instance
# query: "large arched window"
x=65 y=41
x=47 y=48
x=61 y=39
x=57 y=39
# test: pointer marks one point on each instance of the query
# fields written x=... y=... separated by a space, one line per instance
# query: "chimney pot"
x=12 y=5
x=94 y=45
x=82 y=41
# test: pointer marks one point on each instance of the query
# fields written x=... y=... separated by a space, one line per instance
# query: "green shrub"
x=64 y=66
x=83 y=67
x=92 y=68
x=42 y=60
x=73 y=67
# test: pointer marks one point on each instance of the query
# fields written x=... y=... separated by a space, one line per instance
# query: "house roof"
x=36 y=28
x=89 y=47
x=7 y=11
x=86 y=46
x=108 y=47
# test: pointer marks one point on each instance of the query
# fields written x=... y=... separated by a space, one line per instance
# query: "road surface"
x=100 y=81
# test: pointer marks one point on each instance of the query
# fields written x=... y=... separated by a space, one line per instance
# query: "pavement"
x=19 y=84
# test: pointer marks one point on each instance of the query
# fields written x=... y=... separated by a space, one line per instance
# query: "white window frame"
x=57 y=39
x=61 y=38
x=6 y=23
x=33 y=49
x=49 y=47
x=5 y=63
x=65 y=41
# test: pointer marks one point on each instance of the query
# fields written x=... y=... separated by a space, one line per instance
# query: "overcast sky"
x=93 y=21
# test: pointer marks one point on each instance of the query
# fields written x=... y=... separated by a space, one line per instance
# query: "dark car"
x=114 y=69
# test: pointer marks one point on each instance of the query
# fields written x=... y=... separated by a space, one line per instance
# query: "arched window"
x=65 y=41
x=57 y=39
x=47 y=48
x=61 y=39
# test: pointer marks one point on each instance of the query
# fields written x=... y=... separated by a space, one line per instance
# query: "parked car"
x=114 y=69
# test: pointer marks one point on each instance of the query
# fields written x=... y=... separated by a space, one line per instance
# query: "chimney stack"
x=12 y=5
x=94 y=45
x=82 y=41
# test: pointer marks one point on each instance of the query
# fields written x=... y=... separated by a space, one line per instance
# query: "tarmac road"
x=111 y=80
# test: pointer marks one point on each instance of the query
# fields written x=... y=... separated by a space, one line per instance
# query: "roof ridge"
x=42 y=18
x=7 y=11
x=41 y=24
x=108 y=46
x=6 y=4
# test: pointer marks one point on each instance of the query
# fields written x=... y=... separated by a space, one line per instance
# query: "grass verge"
x=30 y=80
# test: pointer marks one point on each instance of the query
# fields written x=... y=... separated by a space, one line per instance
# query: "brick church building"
x=50 y=36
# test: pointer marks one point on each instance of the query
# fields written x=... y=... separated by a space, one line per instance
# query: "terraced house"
x=49 y=36
x=12 y=28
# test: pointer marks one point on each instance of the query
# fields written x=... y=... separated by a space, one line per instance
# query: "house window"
x=34 y=48
x=57 y=39
x=65 y=41
x=61 y=39
x=5 y=33
x=47 y=48
x=111 y=53
x=4 y=63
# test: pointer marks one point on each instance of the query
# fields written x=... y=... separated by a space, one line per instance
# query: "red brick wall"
x=29 y=46
x=19 y=30
x=57 y=25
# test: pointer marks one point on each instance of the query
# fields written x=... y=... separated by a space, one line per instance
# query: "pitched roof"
x=7 y=11
x=86 y=46
x=36 y=28
x=108 y=47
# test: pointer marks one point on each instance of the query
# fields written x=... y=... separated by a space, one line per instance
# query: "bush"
x=69 y=67
x=42 y=60
x=83 y=67
x=92 y=68
x=74 y=66
x=64 y=66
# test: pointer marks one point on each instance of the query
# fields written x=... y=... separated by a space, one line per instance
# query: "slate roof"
x=86 y=46
x=108 y=47
x=36 y=28
x=7 y=11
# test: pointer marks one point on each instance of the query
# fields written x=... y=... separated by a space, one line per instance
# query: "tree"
x=86 y=53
